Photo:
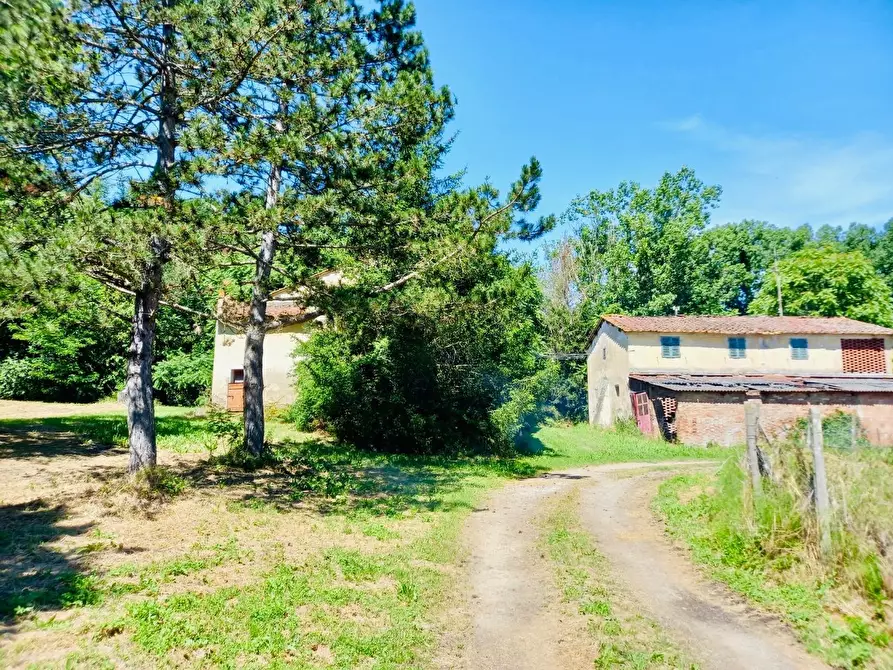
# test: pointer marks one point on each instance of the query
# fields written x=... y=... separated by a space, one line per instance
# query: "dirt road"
x=517 y=621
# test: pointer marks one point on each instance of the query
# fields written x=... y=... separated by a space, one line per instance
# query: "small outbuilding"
x=688 y=377
x=284 y=310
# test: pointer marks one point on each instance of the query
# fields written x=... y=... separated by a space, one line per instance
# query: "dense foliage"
x=73 y=348
x=152 y=154
x=823 y=281
x=447 y=363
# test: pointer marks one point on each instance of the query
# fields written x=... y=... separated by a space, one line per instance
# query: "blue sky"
x=787 y=105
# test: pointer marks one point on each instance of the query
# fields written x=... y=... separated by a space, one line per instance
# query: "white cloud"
x=790 y=179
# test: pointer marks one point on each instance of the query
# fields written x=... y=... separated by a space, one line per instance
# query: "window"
x=737 y=347
x=238 y=376
x=669 y=347
x=799 y=349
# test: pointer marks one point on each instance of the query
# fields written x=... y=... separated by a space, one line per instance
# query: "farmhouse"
x=688 y=377
x=285 y=305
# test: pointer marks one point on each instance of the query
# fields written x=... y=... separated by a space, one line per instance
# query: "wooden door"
x=642 y=412
x=235 y=397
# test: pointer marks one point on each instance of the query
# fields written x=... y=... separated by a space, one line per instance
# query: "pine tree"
x=112 y=119
x=341 y=120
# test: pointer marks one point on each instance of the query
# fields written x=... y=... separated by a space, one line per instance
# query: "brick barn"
x=688 y=377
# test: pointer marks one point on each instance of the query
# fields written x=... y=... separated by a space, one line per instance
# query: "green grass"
x=554 y=447
x=625 y=638
x=372 y=592
x=358 y=607
x=178 y=430
x=765 y=556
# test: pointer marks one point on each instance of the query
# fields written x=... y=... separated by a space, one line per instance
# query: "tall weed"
x=767 y=546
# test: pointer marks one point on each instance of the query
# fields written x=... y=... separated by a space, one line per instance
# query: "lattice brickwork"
x=864 y=356
x=668 y=406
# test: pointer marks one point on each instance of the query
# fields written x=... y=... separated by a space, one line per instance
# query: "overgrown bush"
x=16 y=375
x=446 y=366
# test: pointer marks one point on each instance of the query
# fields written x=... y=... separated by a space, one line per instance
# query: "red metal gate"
x=642 y=412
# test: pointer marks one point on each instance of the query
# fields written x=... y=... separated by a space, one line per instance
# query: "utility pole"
x=778 y=286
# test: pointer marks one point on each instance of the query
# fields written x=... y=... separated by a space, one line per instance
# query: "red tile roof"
x=745 y=325
x=237 y=312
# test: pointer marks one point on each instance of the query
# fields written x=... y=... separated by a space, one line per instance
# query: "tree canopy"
x=823 y=281
x=638 y=248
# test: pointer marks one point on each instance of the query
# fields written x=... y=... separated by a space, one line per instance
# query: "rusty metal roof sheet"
x=746 y=325
x=769 y=383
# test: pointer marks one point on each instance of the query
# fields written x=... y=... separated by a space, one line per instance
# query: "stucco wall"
x=279 y=363
x=710 y=353
x=607 y=367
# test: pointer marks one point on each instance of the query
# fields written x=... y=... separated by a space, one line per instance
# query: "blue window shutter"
x=669 y=347
x=737 y=347
x=799 y=349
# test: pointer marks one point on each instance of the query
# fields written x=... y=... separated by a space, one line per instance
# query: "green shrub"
x=184 y=378
x=16 y=376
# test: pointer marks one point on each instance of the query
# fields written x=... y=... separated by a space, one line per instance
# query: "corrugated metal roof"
x=746 y=325
x=725 y=383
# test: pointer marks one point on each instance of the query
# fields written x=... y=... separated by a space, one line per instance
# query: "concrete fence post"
x=820 y=480
x=752 y=425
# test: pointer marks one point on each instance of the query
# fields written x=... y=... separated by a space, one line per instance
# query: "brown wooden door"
x=866 y=356
x=235 y=397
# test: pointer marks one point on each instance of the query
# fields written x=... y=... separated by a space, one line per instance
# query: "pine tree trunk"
x=140 y=405
x=256 y=331
x=254 y=349
x=139 y=389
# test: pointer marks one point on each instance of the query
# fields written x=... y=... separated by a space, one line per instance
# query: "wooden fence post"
x=820 y=480
x=752 y=424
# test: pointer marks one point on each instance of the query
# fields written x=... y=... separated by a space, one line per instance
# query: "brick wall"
x=779 y=411
x=702 y=418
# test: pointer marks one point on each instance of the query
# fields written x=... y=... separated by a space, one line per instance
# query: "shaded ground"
x=341 y=551
x=332 y=559
x=515 y=617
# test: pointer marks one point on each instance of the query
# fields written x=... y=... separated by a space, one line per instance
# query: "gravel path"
x=516 y=617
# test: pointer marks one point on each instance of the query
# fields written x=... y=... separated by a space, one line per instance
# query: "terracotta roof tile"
x=235 y=311
x=745 y=325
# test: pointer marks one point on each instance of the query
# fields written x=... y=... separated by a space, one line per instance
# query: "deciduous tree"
x=638 y=247
x=823 y=281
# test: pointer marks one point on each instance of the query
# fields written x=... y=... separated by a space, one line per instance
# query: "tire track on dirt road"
x=517 y=618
